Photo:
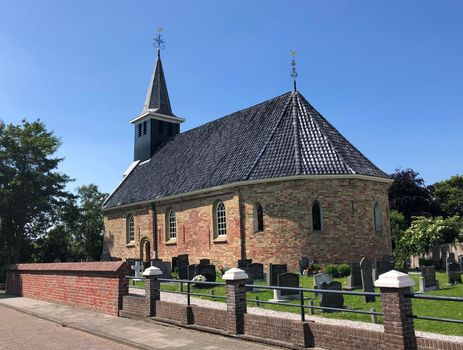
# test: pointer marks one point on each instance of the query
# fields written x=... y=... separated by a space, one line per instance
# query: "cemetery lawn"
x=433 y=308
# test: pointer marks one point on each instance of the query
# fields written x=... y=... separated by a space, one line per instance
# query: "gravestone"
x=460 y=260
x=453 y=273
x=204 y=262
x=321 y=278
x=57 y=260
x=273 y=271
x=288 y=279
x=450 y=258
x=354 y=281
x=255 y=271
x=105 y=256
x=331 y=299
x=383 y=265
x=367 y=279
x=304 y=263
x=164 y=266
x=207 y=271
x=174 y=263
x=244 y=263
x=428 y=279
x=182 y=266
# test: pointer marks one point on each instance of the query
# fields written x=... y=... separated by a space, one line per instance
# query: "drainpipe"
x=155 y=231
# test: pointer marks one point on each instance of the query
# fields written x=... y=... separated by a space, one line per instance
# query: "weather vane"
x=293 y=67
x=159 y=42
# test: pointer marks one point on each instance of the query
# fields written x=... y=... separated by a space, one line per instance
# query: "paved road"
x=21 y=331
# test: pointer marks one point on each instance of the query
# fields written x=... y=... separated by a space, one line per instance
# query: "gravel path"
x=181 y=299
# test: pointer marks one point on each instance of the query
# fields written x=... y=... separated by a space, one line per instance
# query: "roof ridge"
x=297 y=151
x=331 y=144
x=267 y=142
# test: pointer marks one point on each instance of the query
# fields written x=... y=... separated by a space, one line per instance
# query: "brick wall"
x=212 y=318
x=133 y=306
x=177 y=312
x=96 y=286
x=348 y=224
x=436 y=344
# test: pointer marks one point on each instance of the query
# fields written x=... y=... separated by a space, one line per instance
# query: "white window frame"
x=130 y=229
x=220 y=220
x=171 y=225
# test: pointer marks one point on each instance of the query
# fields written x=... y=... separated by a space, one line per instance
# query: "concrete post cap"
x=394 y=279
x=152 y=271
x=235 y=274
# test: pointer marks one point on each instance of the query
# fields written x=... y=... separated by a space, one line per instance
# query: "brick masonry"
x=348 y=224
x=95 y=286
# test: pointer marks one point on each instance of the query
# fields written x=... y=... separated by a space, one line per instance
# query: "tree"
x=448 y=196
x=409 y=195
x=31 y=188
x=89 y=234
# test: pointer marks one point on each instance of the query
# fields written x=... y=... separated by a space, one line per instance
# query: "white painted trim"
x=394 y=279
x=235 y=274
x=158 y=116
x=253 y=182
x=124 y=176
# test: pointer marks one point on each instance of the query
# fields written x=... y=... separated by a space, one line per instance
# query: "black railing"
x=301 y=304
x=189 y=293
x=434 y=297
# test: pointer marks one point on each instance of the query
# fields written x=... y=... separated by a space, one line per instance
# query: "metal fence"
x=434 y=297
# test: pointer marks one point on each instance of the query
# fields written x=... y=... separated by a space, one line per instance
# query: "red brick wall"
x=95 y=286
x=348 y=231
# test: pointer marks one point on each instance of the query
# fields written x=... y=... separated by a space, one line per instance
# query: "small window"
x=378 y=218
x=130 y=229
x=145 y=125
x=139 y=129
x=316 y=216
x=220 y=219
x=258 y=218
x=161 y=127
x=171 y=225
x=170 y=129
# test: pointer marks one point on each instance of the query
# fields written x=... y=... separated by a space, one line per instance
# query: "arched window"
x=171 y=225
x=220 y=220
x=316 y=216
x=130 y=229
x=378 y=218
x=258 y=218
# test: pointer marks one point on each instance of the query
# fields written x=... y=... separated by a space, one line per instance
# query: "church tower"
x=156 y=124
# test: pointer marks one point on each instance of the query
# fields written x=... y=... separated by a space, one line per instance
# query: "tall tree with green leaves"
x=448 y=196
x=89 y=233
x=31 y=187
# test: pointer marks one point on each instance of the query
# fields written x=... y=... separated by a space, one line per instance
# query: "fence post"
x=399 y=331
x=236 y=299
x=152 y=289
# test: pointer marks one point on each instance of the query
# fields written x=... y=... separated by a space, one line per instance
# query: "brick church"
x=272 y=182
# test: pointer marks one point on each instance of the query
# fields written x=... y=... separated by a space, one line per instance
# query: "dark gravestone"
x=105 y=256
x=453 y=273
x=304 y=263
x=354 y=281
x=256 y=270
x=273 y=271
x=428 y=279
x=244 y=262
x=460 y=260
x=450 y=258
x=207 y=271
x=182 y=265
x=204 y=262
x=174 y=263
x=335 y=300
x=164 y=266
x=367 y=279
x=288 y=279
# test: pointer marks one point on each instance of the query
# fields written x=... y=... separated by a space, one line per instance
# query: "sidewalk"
x=138 y=334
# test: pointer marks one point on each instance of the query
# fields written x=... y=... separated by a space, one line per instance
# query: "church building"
x=272 y=182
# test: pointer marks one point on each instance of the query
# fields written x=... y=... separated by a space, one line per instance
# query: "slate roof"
x=281 y=137
x=157 y=97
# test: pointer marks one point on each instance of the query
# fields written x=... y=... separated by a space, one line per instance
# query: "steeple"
x=156 y=124
x=157 y=97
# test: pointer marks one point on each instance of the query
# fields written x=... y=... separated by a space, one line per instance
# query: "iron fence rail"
x=437 y=298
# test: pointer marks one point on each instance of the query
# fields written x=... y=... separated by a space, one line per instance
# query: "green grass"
x=443 y=309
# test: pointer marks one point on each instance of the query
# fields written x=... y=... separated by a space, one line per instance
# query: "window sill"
x=258 y=232
x=220 y=239
x=171 y=242
x=131 y=244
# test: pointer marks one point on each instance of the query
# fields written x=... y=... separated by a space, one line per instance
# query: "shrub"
x=344 y=270
x=332 y=270
x=315 y=267
x=174 y=274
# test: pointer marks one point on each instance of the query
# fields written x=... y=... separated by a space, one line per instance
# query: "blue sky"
x=387 y=74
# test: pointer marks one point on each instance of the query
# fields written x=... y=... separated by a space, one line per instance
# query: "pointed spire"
x=157 y=97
